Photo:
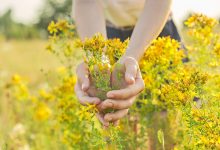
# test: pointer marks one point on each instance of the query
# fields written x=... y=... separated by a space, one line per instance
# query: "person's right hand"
x=83 y=85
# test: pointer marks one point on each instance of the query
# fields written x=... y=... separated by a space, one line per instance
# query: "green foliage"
x=53 y=10
x=179 y=108
x=10 y=29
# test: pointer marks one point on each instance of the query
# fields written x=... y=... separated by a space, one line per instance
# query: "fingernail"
x=132 y=79
x=83 y=87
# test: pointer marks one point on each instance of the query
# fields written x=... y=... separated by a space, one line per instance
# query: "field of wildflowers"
x=179 y=108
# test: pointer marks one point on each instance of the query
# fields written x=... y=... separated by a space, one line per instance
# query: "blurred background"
x=23 y=40
x=23 y=31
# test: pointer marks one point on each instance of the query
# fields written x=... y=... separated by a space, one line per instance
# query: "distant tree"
x=53 y=10
x=10 y=29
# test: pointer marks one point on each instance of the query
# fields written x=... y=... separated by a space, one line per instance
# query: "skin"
x=89 y=18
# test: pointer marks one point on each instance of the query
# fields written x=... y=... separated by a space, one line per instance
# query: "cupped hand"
x=83 y=85
x=121 y=100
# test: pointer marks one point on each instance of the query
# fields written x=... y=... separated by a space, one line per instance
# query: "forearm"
x=148 y=27
x=89 y=18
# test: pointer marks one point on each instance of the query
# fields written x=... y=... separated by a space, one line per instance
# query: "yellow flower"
x=62 y=70
x=87 y=112
x=46 y=95
x=217 y=49
x=201 y=28
x=16 y=79
x=200 y=20
x=52 y=28
x=49 y=48
x=43 y=112
x=62 y=25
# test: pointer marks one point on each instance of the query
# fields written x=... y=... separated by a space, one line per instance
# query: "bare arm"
x=148 y=27
x=89 y=17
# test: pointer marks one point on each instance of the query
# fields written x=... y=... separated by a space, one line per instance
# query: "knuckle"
x=111 y=103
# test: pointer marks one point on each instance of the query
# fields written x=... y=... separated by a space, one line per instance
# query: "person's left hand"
x=121 y=100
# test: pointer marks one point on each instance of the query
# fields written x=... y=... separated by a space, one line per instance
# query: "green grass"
x=26 y=58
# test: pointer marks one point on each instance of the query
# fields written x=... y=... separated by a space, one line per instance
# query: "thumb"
x=131 y=69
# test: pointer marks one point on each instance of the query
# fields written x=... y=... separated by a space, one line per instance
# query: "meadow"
x=179 y=108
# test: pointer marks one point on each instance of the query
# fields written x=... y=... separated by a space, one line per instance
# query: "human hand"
x=122 y=99
x=83 y=85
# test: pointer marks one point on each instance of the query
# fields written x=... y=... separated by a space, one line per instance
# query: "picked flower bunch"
x=101 y=58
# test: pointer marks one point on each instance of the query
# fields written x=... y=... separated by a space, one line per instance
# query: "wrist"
x=130 y=55
x=126 y=57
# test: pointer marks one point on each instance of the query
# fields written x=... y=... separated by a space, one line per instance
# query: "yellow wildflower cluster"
x=163 y=51
x=171 y=85
x=161 y=57
x=43 y=112
x=80 y=128
x=204 y=48
x=61 y=32
x=206 y=128
x=46 y=95
x=115 y=49
x=101 y=56
x=180 y=101
x=217 y=49
x=60 y=26
x=168 y=81
x=201 y=27
x=201 y=21
x=201 y=118
x=19 y=87
x=182 y=89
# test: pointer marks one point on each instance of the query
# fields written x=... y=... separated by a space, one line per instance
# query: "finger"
x=102 y=120
x=83 y=76
x=131 y=67
x=83 y=97
x=116 y=104
x=111 y=117
x=130 y=91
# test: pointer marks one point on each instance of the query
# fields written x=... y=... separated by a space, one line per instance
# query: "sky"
x=26 y=11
